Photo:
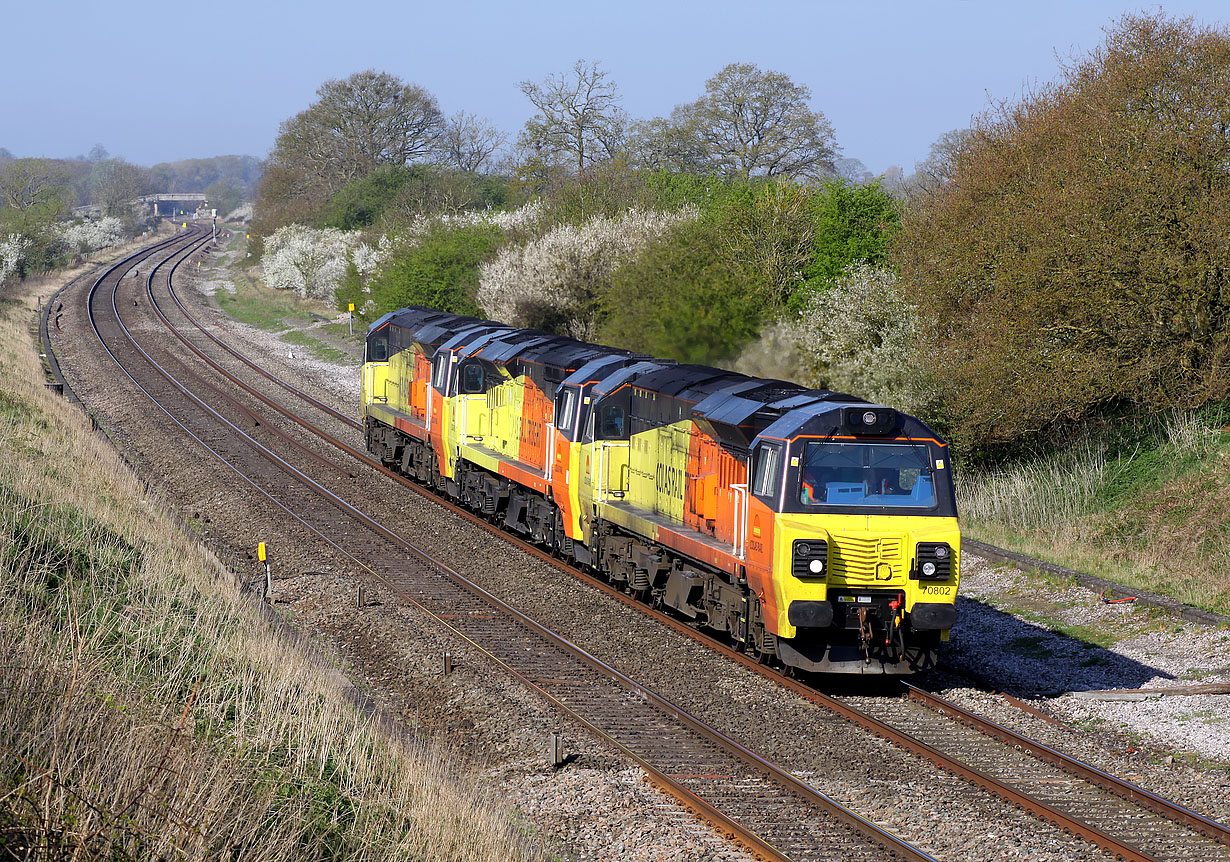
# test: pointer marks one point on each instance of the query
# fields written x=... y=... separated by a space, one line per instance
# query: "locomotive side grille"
x=866 y=559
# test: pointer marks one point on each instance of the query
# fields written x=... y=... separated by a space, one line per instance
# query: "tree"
x=354 y=126
x=660 y=145
x=578 y=115
x=756 y=123
x=468 y=142
x=1075 y=259
x=115 y=184
x=224 y=195
x=25 y=183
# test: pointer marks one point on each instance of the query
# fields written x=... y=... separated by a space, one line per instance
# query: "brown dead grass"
x=147 y=709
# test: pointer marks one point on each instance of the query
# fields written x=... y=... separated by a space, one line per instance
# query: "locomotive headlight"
x=803 y=549
x=941 y=552
x=816 y=566
x=928 y=568
x=869 y=418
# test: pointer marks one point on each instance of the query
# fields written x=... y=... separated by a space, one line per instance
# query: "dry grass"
x=148 y=711
x=1157 y=519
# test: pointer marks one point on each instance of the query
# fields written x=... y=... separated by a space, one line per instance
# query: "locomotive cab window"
x=867 y=474
x=767 y=470
x=440 y=371
x=472 y=378
x=565 y=408
x=613 y=422
x=378 y=348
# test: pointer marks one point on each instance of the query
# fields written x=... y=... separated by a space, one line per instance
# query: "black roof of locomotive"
x=730 y=406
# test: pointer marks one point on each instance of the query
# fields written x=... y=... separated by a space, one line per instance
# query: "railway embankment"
x=151 y=709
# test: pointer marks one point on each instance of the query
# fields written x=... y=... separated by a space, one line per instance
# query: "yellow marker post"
x=263 y=557
x=352 y=318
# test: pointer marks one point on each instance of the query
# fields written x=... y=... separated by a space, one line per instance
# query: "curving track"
x=770 y=810
x=775 y=812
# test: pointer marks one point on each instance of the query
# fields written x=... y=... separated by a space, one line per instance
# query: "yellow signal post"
x=352 y=319
x=264 y=558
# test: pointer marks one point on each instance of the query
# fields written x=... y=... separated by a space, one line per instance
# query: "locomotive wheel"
x=764 y=645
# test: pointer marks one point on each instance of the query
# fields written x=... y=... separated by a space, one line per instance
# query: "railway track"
x=771 y=811
x=1126 y=820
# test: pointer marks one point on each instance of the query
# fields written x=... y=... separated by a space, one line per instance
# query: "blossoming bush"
x=309 y=261
x=864 y=337
x=12 y=248
x=556 y=281
x=93 y=235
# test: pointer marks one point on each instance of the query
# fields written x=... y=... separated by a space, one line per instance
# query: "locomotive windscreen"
x=867 y=474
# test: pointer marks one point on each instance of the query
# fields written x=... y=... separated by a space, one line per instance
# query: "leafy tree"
x=440 y=270
x=852 y=223
x=752 y=122
x=224 y=195
x=1075 y=257
x=683 y=300
x=578 y=116
x=194 y=175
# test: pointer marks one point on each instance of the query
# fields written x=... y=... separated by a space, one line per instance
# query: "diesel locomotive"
x=813 y=528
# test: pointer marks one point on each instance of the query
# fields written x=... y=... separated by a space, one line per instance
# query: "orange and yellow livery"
x=815 y=528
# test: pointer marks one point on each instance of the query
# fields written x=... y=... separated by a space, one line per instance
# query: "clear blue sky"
x=890 y=75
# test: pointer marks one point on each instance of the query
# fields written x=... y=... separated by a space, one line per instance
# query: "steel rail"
x=886 y=840
x=1113 y=784
x=315 y=402
x=1125 y=790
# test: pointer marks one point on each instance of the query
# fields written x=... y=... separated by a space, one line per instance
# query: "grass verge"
x=1154 y=515
x=149 y=709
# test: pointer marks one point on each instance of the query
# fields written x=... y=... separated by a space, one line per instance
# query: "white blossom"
x=89 y=236
x=863 y=336
x=309 y=261
x=523 y=217
x=367 y=259
x=12 y=248
x=241 y=213
x=555 y=279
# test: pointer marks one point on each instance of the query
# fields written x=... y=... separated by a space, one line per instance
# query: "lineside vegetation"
x=149 y=709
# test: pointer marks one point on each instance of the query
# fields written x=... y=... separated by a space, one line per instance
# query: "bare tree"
x=940 y=167
x=27 y=182
x=578 y=115
x=468 y=142
x=757 y=123
x=662 y=145
x=115 y=184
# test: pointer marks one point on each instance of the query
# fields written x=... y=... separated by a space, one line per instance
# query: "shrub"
x=1076 y=258
x=88 y=236
x=308 y=261
x=681 y=300
x=12 y=249
x=863 y=336
x=439 y=270
x=556 y=282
